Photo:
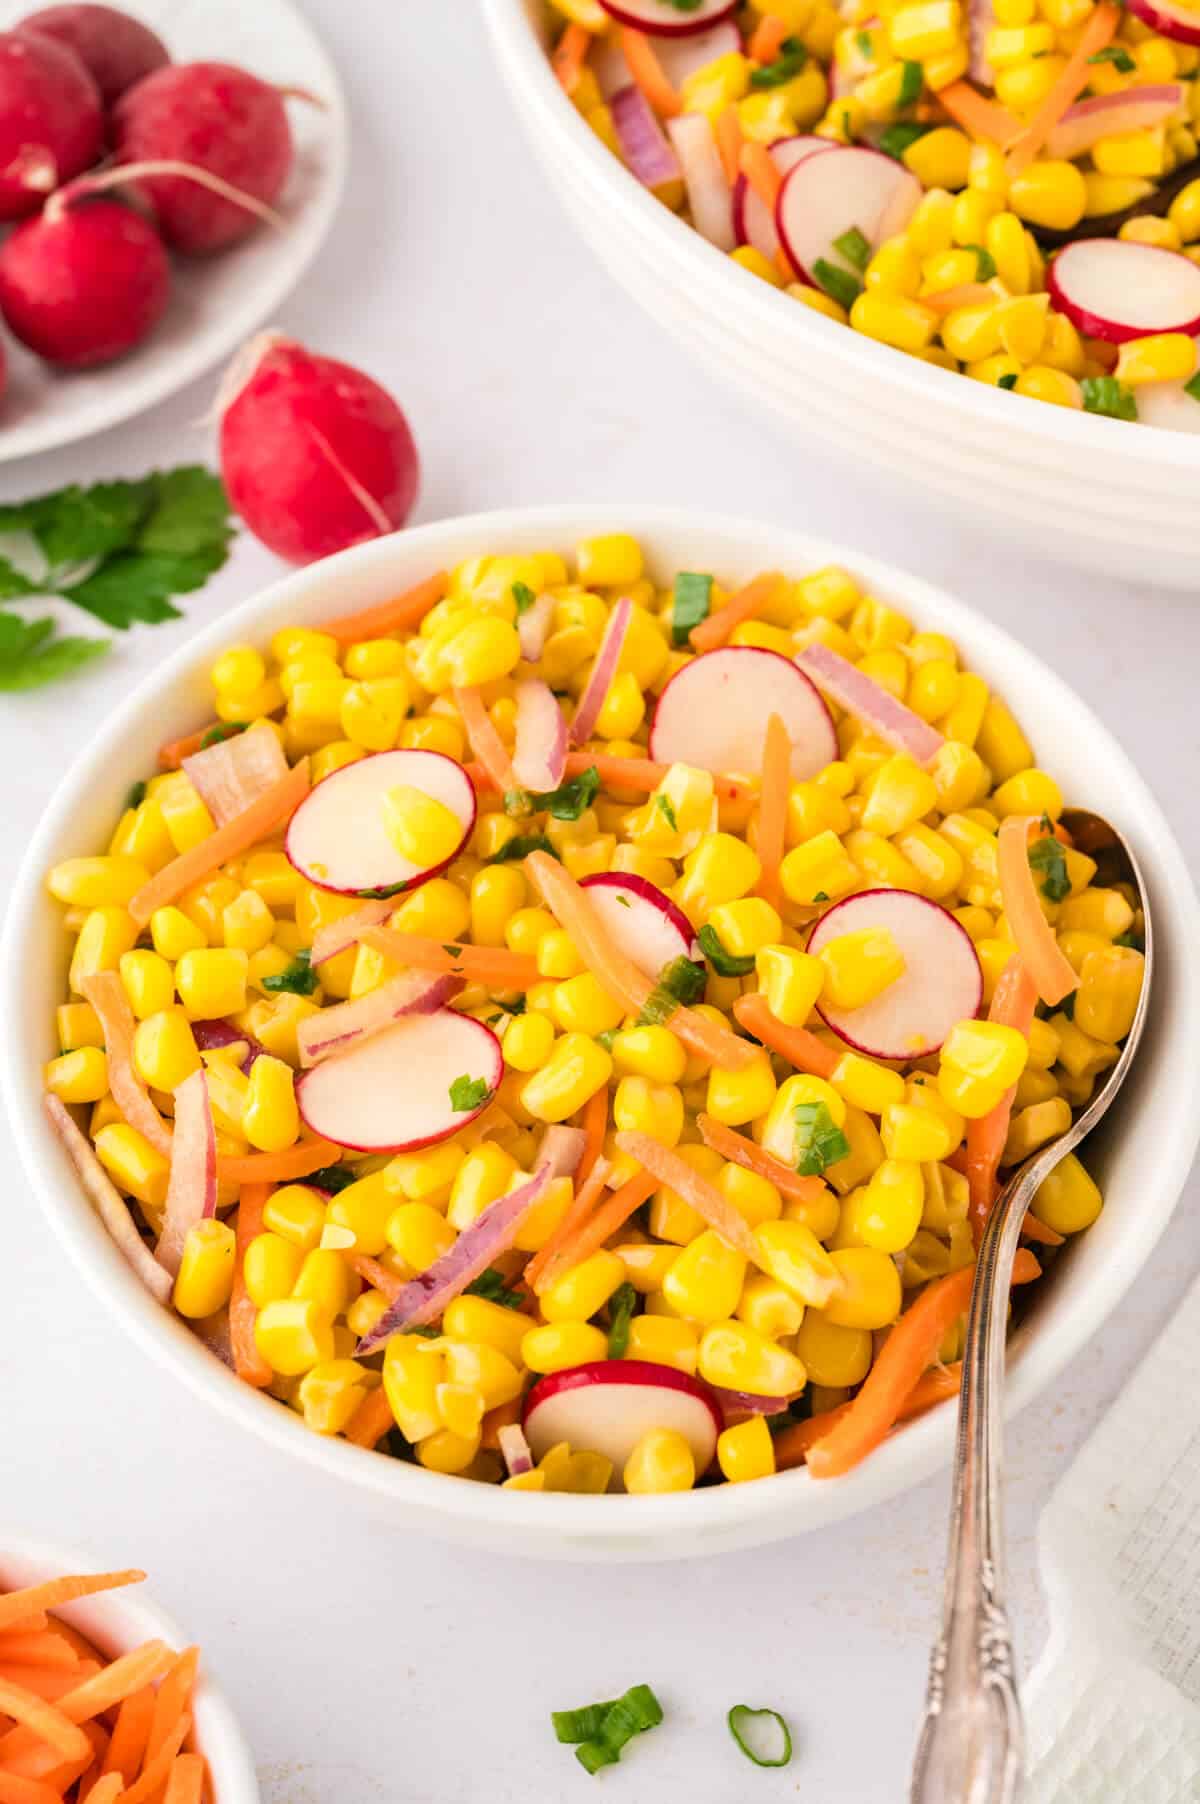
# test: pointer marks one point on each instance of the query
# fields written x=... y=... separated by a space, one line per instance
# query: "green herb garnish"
x=821 y=896
x=679 y=985
x=385 y=894
x=985 y=263
x=298 y=977
x=668 y=813
x=606 y=1038
x=1008 y=382
x=31 y=655
x=520 y=846
x=332 y=1178
x=454 y=951
x=725 y=964
x=684 y=6
x=136 y=796
x=622 y=900
x=691 y=602
x=223 y=730
x=1192 y=388
x=524 y=598
x=837 y=283
x=491 y=1287
x=602 y=1730
x=1131 y=941
x=570 y=799
x=912 y=80
x=865 y=46
x=468 y=1093
x=1104 y=394
x=1047 y=857
x=788 y=64
x=854 y=247
x=1119 y=57
x=580 y=1725
x=621 y=1306
x=820 y=1142
x=896 y=139
x=741 y=1720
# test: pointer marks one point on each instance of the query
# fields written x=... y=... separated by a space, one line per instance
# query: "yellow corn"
x=329 y=1394
x=212 y=982
x=661 y=1462
x=270 y=1119
x=1068 y=1200
x=297 y=1214
x=746 y=1451
x=164 y=1050
x=790 y=980
x=580 y=1005
x=705 y=1280
x=79 y=1076
x=270 y=1268
x=584 y=1290
x=884 y=1213
x=735 y=1357
x=561 y=1344
x=833 y=1354
x=97 y=882
x=1110 y=983
x=206 y=1268
x=576 y=1068
x=820 y=868
x=870 y=1296
x=105 y=936
x=735 y=1097
x=859 y=966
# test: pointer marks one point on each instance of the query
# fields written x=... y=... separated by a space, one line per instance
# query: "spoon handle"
x=971 y=1745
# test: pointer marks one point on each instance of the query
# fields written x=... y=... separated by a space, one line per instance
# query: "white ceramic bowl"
x=1071 y=486
x=119 y=1620
x=1142 y=1167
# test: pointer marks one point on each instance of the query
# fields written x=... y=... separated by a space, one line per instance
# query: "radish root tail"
x=124 y=173
x=364 y=497
x=241 y=368
x=304 y=94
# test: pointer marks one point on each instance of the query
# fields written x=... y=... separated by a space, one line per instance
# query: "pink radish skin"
x=825 y=197
x=658 y=18
x=316 y=456
x=51 y=120
x=115 y=49
x=540 y=753
x=391 y=1093
x=603 y=671
x=640 y=920
x=680 y=57
x=607 y=1406
x=752 y=220
x=84 y=284
x=1116 y=290
x=1177 y=22
x=1112 y=115
x=337 y=839
x=215 y=117
x=941 y=982
x=713 y=714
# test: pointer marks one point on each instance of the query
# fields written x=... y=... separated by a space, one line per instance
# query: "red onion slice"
x=981 y=17
x=533 y=627
x=540 y=750
x=1111 y=115
x=210 y=1036
x=870 y=703
x=562 y=1149
x=111 y=1206
x=339 y=935
x=345 y=1026
x=230 y=775
x=643 y=146
x=192 y=1186
x=603 y=672
x=737 y=1405
x=515 y=1449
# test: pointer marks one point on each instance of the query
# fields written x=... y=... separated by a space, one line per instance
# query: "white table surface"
x=366 y=1665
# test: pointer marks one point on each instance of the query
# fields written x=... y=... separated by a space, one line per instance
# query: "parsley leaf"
x=985 y=263
x=1047 y=857
x=524 y=598
x=32 y=655
x=226 y=729
x=683 y=979
x=491 y=1286
x=668 y=813
x=299 y=977
x=1118 y=56
x=691 y=602
x=789 y=63
x=570 y=799
x=819 y=1140
x=896 y=139
x=1009 y=381
x=332 y=1178
x=725 y=964
x=520 y=846
x=136 y=796
x=912 y=80
x=468 y=1093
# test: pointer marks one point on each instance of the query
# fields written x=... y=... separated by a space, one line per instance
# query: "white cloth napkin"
x=1113 y=1705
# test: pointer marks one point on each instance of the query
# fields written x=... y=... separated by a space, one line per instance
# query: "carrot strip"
x=1099 y=31
x=491 y=965
x=729 y=143
x=35 y=1623
x=619 y=975
x=646 y=70
x=371 y=1420
x=1033 y=1229
x=16 y=1606
x=399 y=615
x=767 y=38
x=486 y=743
x=740 y=1151
x=666 y=1167
x=933 y=1386
x=980 y=118
x=186 y=1784
x=772 y=808
x=595 y=1126
x=378 y=1276
x=505 y=1415
x=254 y=823
x=749 y=600
x=43 y=1720
x=172 y=754
x=1012 y=1004
x=603 y=1223
x=1032 y=934
x=107 y=1789
x=762 y=172
x=248 y=1362
x=796 y=1044
x=38 y=1648
x=570 y=57
x=294 y=1162
x=15 y=1790
x=967 y=294
x=106 y=993
x=156 y=1772
x=127 y=1748
x=638 y=774
x=42 y=1763
x=173 y=1696
x=547 y=1263
x=48 y=1682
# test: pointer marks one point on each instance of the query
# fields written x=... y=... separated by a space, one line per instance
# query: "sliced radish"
x=681 y=57
x=662 y=19
x=1116 y=290
x=337 y=837
x=233 y=773
x=392 y=1093
x=192 y=1185
x=1173 y=18
x=709 y=198
x=1112 y=115
x=540 y=753
x=515 y=1449
x=339 y=934
x=1169 y=406
x=604 y=669
x=825 y=197
x=641 y=922
x=332 y=1032
x=713 y=714
x=941 y=984
x=753 y=222
x=533 y=627
x=606 y=1407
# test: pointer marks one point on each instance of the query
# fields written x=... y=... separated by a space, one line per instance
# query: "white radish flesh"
x=753 y=221
x=640 y=921
x=1115 y=290
x=392 y=1092
x=607 y=1407
x=709 y=198
x=1112 y=115
x=681 y=57
x=852 y=188
x=660 y=18
x=941 y=982
x=540 y=752
x=1169 y=406
x=713 y=714
x=337 y=837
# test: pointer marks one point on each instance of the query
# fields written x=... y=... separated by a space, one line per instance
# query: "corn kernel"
x=97 y=882
x=295 y=1213
x=870 y=1296
x=664 y=1341
x=661 y=1462
x=987 y=1050
x=584 y=1290
x=735 y=1357
x=735 y=1097
x=884 y=1213
x=576 y=1068
x=205 y=1278
x=611 y=560
x=411 y=1375
x=561 y=1344
x=212 y=982
x=270 y=1267
x=164 y=1050
x=769 y=1307
x=818 y=868
x=705 y=1280
x=867 y=1085
x=581 y=1006
x=833 y=1354
x=132 y=1163
x=106 y=935
x=78 y=1025
x=859 y=966
x=79 y=1076
x=746 y=1451
x=790 y=980
x=1068 y=1200
x=496 y=894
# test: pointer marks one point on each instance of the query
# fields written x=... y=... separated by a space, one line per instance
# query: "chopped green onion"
x=691 y=602
x=623 y=900
x=568 y=801
x=332 y=1178
x=1119 y=57
x=621 y=1306
x=1192 y=388
x=668 y=813
x=725 y=964
x=520 y=846
x=684 y=979
x=1009 y=381
x=741 y=1720
x=685 y=6
x=454 y=951
x=1104 y=394
x=524 y=598
x=383 y=895
x=228 y=729
x=985 y=263
x=896 y=139
x=491 y=1286
x=1130 y=940
x=581 y=1725
x=912 y=80
x=468 y=1093
x=854 y=247
x=627 y=1716
x=299 y=977
x=136 y=796
x=837 y=283
x=606 y=1038
x=821 y=896
x=788 y=64
x=1047 y=857
x=865 y=46
x=819 y=1140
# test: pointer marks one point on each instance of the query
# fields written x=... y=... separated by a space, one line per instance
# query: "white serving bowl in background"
x=120 y=1620
x=1141 y=1162
x=1073 y=487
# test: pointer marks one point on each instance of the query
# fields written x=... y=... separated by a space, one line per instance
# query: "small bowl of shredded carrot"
x=99 y=1699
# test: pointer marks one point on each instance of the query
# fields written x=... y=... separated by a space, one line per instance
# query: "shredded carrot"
x=982 y=119
x=667 y=1167
x=172 y=754
x=640 y=775
x=749 y=600
x=106 y=993
x=186 y=1784
x=378 y=1276
x=48 y=1682
x=646 y=70
x=1012 y=1004
x=294 y=1162
x=42 y=1763
x=603 y=1222
x=485 y=741
x=767 y=39
x=156 y=1772
x=254 y=823
x=35 y=1623
x=570 y=57
x=248 y=1362
x=171 y=1700
x=38 y=1648
x=43 y=1720
x=762 y=172
x=595 y=1126
x=107 y=1789
x=751 y=1157
x=371 y=1420
x=933 y=1386
x=505 y=1415
x=400 y=615
x=1095 y=36
x=729 y=143
x=548 y=1262
x=798 y=1045
x=1036 y=1230
x=1032 y=934
x=51 y=1594
x=491 y=965
x=131 y=1731
x=15 y=1790
x=772 y=808
x=967 y=294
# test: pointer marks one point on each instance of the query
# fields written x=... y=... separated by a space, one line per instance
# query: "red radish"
x=51 y=120
x=709 y=197
x=337 y=935
x=1168 y=405
x=192 y=1185
x=540 y=752
x=607 y=1406
x=337 y=838
x=315 y=455
x=392 y=1092
x=332 y=1032
x=1111 y=115
x=682 y=56
x=214 y=117
x=870 y=703
x=662 y=18
x=1172 y=18
x=233 y=773
x=515 y=1449
x=738 y=1405
x=713 y=714
x=85 y=282
x=116 y=49
x=640 y=137
x=753 y=221
x=941 y=982
x=640 y=921
x=1113 y=289
x=825 y=197
x=604 y=669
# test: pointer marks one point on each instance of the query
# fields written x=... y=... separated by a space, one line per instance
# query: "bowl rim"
x=771 y=313
x=119 y=1620
x=725 y=1515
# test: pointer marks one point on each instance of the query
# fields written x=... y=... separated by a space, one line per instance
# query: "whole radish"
x=51 y=120
x=115 y=49
x=216 y=118
x=315 y=455
x=84 y=282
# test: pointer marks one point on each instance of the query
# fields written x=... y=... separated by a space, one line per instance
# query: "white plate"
x=215 y=302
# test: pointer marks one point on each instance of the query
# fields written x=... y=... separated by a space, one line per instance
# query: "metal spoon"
x=971 y=1747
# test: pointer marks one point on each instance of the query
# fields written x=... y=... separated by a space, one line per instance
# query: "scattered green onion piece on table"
x=725 y=964
x=691 y=602
x=580 y=1725
x=741 y=1720
x=627 y=1716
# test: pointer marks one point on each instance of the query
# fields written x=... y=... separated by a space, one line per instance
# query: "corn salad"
x=838 y=1178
